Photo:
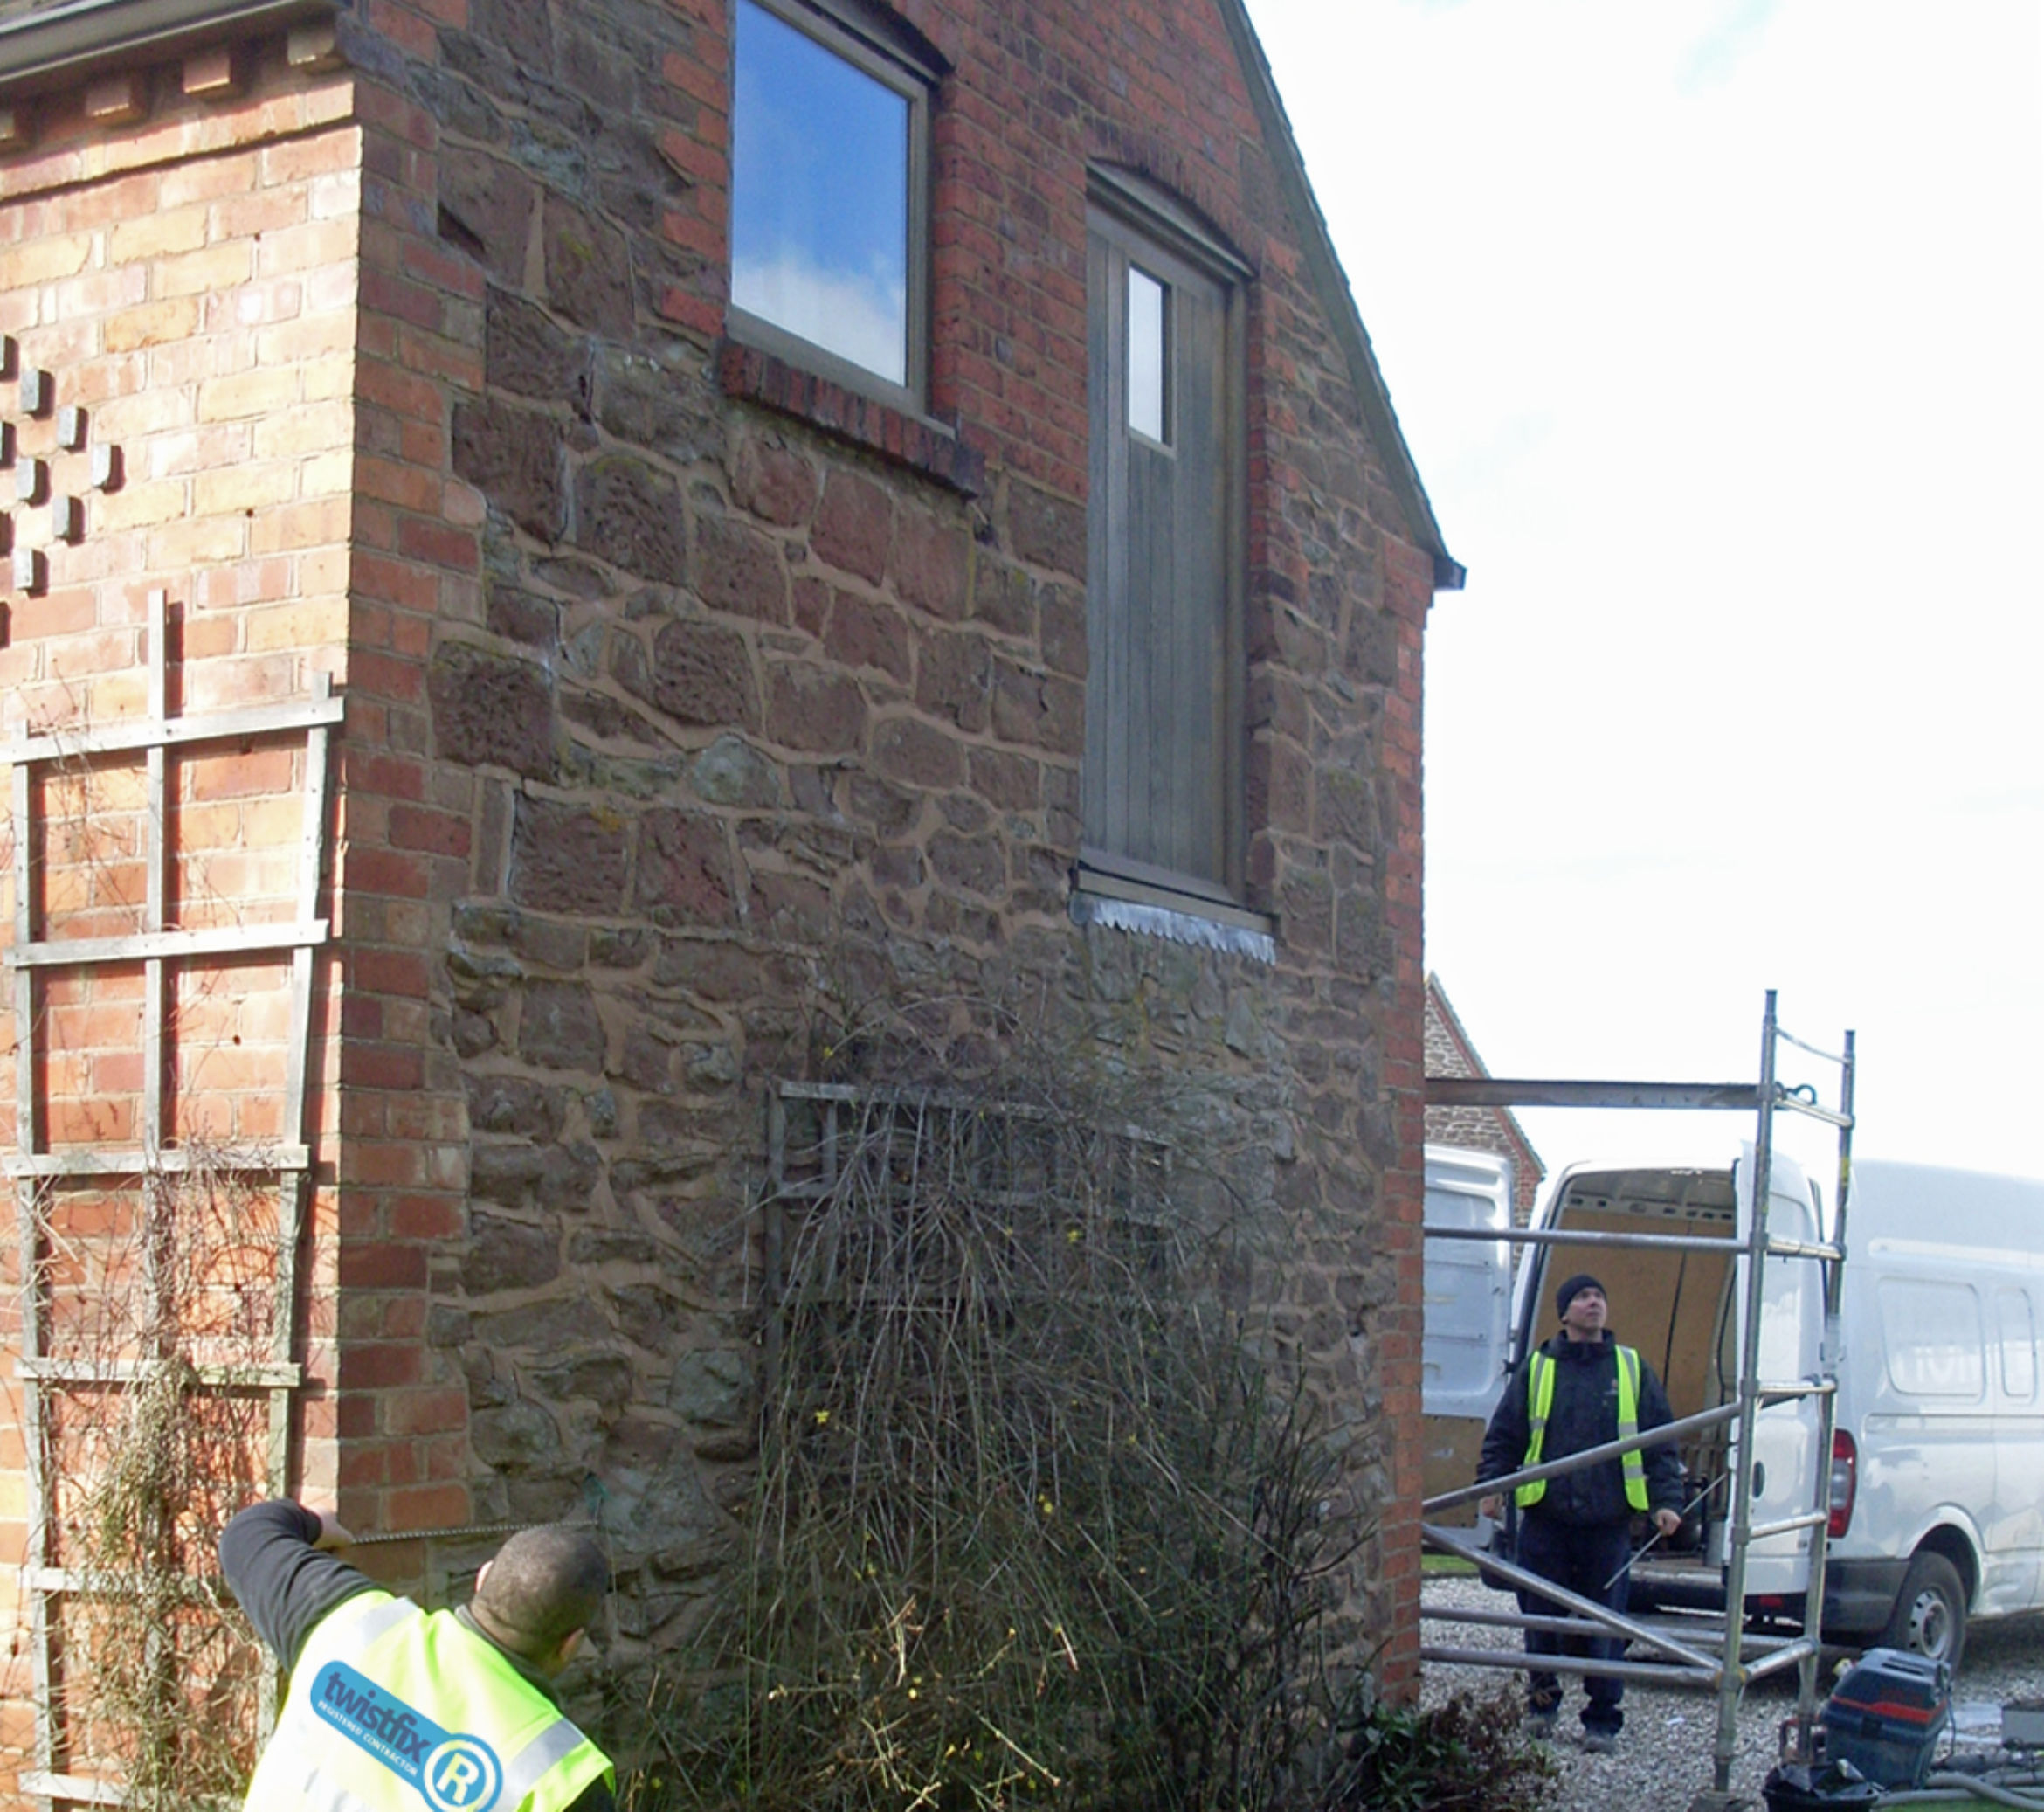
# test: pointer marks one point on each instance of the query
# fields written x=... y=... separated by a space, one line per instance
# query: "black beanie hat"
x=1566 y=1294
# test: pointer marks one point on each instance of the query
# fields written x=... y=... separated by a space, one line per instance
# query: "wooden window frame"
x=848 y=31
x=1137 y=205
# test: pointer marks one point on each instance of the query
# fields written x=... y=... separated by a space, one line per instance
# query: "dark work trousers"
x=1584 y=1558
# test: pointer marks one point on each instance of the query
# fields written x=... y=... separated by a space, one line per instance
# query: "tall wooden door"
x=1160 y=767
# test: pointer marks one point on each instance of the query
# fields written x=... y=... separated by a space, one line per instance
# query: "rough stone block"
x=713 y=1388
x=931 y=554
x=1346 y=809
x=515 y=457
x=854 y=526
x=773 y=481
x=1061 y=611
x=559 y=1026
x=486 y=208
x=916 y=752
x=1370 y=653
x=568 y=858
x=602 y=1381
x=518 y=1436
x=523 y=29
x=732 y=772
x=740 y=571
x=515 y=1103
x=544 y=1327
x=865 y=632
x=526 y=351
x=588 y=267
x=648 y=1061
x=520 y=616
x=699 y=673
x=1004 y=596
x=488 y=709
x=1046 y=530
x=816 y=709
x=975 y=863
x=792 y=906
x=501 y=1254
x=660 y=402
x=1007 y=781
x=685 y=868
x=954 y=678
x=629 y=512
x=1040 y=710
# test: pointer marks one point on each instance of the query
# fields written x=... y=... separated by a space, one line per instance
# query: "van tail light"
x=1845 y=1482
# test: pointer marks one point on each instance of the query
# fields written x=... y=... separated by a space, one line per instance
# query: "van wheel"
x=1930 y=1614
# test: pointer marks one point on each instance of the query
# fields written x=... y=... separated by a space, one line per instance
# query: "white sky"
x=1714 y=327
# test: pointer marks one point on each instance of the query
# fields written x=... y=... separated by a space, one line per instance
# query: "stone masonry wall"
x=759 y=689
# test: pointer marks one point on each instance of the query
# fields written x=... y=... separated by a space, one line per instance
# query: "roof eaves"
x=55 y=45
x=1325 y=267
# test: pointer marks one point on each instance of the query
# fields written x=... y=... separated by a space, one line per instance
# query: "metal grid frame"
x=846 y=1114
x=34 y=1167
x=1712 y=1660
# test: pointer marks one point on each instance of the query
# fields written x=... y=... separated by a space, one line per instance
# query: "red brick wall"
x=182 y=265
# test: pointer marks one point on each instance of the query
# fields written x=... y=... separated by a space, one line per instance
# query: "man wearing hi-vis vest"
x=1580 y=1390
x=392 y=1707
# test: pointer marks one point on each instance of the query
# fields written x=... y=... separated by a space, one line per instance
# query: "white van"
x=1468 y=1310
x=1937 y=1457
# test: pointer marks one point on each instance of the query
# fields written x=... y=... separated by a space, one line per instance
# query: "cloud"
x=1713 y=59
x=861 y=319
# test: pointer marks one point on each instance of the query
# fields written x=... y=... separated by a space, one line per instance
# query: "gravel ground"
x=1663 y=1758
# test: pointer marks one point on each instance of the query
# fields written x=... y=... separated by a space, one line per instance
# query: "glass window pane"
x=1147 y=354
x=2019 y=1347
x=1932 y=1333
x=819 y=195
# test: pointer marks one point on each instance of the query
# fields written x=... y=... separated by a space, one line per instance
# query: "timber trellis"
x=36 y=1169
x=1707 y=1660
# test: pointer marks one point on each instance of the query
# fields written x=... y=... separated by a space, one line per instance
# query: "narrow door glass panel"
x=820 y=196
x=1148 y=355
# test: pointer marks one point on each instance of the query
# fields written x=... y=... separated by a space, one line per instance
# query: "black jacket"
x=1584 y=1413
x=287 y=1585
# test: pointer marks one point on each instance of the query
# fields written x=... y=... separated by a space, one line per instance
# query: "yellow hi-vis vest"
x=392 y=1709
x=1540 y=1373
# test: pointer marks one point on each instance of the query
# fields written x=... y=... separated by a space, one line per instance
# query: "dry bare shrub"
x=147 y=1296
x=1035 y=1523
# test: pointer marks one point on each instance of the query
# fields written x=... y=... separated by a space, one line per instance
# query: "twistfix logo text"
x=452 y=1772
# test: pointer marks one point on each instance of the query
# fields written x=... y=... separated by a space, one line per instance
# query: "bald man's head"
x=543 y=1586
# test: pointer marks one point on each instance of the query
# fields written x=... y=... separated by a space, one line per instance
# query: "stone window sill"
x=917 y=441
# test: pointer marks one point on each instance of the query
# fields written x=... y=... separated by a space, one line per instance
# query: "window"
x=1162 y=781
x=830 y=132
x=2019 y=1345
x=1932 y=1334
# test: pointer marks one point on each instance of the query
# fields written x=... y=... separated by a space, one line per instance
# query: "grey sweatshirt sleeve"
x=285 y=1583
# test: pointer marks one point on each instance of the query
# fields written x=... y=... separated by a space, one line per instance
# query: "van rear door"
x=1467 y=1314
x=1791 y=1329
